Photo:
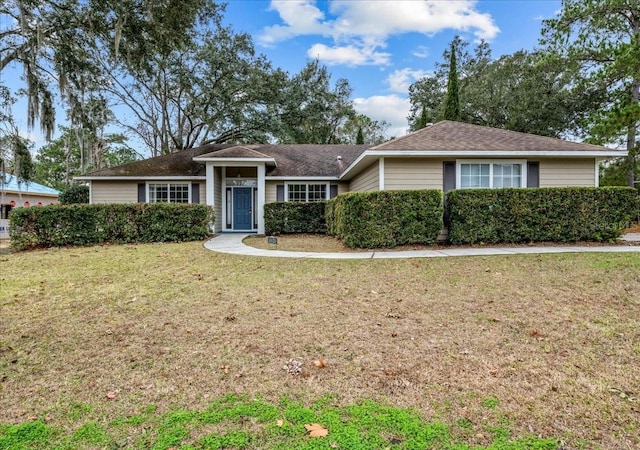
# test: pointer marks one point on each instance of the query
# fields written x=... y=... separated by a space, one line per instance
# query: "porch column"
x=210 y=185
x=261 y=197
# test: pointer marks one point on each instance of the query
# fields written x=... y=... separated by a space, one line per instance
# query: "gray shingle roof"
x=238 y=151
x=174 y=164
x=458 y=136
x=311 y=160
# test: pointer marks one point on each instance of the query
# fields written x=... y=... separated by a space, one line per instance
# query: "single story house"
x=237 y=180
x=15 y=193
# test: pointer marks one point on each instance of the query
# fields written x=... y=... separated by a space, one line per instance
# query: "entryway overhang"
x=234 y=190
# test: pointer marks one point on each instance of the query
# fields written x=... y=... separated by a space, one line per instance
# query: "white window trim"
x=167 y=183
x=327 y=191
x=491 y=162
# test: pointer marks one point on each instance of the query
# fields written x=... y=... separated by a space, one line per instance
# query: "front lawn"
x=126 y=345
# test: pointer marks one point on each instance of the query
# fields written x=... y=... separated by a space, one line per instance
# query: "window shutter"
x=195 y=192
x=448 y=175
x=280 y=192
x=533 y=174
x=333 y=190
x=142 y=193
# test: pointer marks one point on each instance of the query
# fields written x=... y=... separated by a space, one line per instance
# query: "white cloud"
x=300 y=17
x=400 y=80
x=385 y=18
x=361 y=27
x=392 y=108
x=350 y=55
x=422 y=51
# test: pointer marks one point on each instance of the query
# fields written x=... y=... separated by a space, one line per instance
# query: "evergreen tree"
x=359 y=137
x=602 y=37
x=423 y=118
x=452 y=102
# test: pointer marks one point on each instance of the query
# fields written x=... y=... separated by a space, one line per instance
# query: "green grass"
x=239 y=422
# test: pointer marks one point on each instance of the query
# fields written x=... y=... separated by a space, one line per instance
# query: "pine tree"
x=360 y=137
x=423 y=118
x=452 y=102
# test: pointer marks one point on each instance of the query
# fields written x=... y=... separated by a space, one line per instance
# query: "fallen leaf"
x=316 y=430
x=225 y=368
x=279 y=422
x=111 y=395
x=320 y=362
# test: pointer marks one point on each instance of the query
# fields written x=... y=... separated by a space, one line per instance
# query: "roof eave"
x=133 y=177
x=236 y=160
x=303 y=177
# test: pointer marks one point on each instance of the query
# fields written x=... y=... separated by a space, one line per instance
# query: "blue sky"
x=380 y=46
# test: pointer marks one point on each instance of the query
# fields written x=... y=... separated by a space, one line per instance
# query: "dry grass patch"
x=547 y=345
x=301 y=243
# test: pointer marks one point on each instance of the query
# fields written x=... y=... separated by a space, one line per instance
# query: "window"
x=474 y=176
x=169 y=192
x=306 y=192
x=490 y=175
x=507 y=175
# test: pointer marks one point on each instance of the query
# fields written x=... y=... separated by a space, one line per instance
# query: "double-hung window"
x=306 y=192
x=169 y=192
x=490 y=175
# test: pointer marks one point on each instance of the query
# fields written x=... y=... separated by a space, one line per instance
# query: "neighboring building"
x=237 y=180
x=15 y=193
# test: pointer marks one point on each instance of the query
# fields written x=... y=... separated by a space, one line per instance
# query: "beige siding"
x=366 y=181
x=217 y=199
x=405 y=174
x=567 y=172
x=343 y=188
x=271 y=191
x=203 y=191
x=114 y=192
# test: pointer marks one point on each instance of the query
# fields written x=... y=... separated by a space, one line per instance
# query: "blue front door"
x=242 y=217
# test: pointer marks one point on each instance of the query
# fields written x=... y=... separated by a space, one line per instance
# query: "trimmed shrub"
x=294 y=217
x=77 y=193
x=59 y=225
x=540 y=214
x=385 y=218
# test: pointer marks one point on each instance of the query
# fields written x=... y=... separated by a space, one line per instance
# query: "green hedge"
x=59 y=225
x=385 y=218
x=542 y=214
x=294 y=217
x=77 y=193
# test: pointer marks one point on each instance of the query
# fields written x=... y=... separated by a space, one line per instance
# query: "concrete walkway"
x=232 y=244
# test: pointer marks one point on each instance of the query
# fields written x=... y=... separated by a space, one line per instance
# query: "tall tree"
x=15 y=155
x=57 y=162
x=422 y=123
x=602 y=38
x=76 y=43
x=309 y=109
x=519 y=92
x=452 y=99
x=213 y=91
x=361 y=129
